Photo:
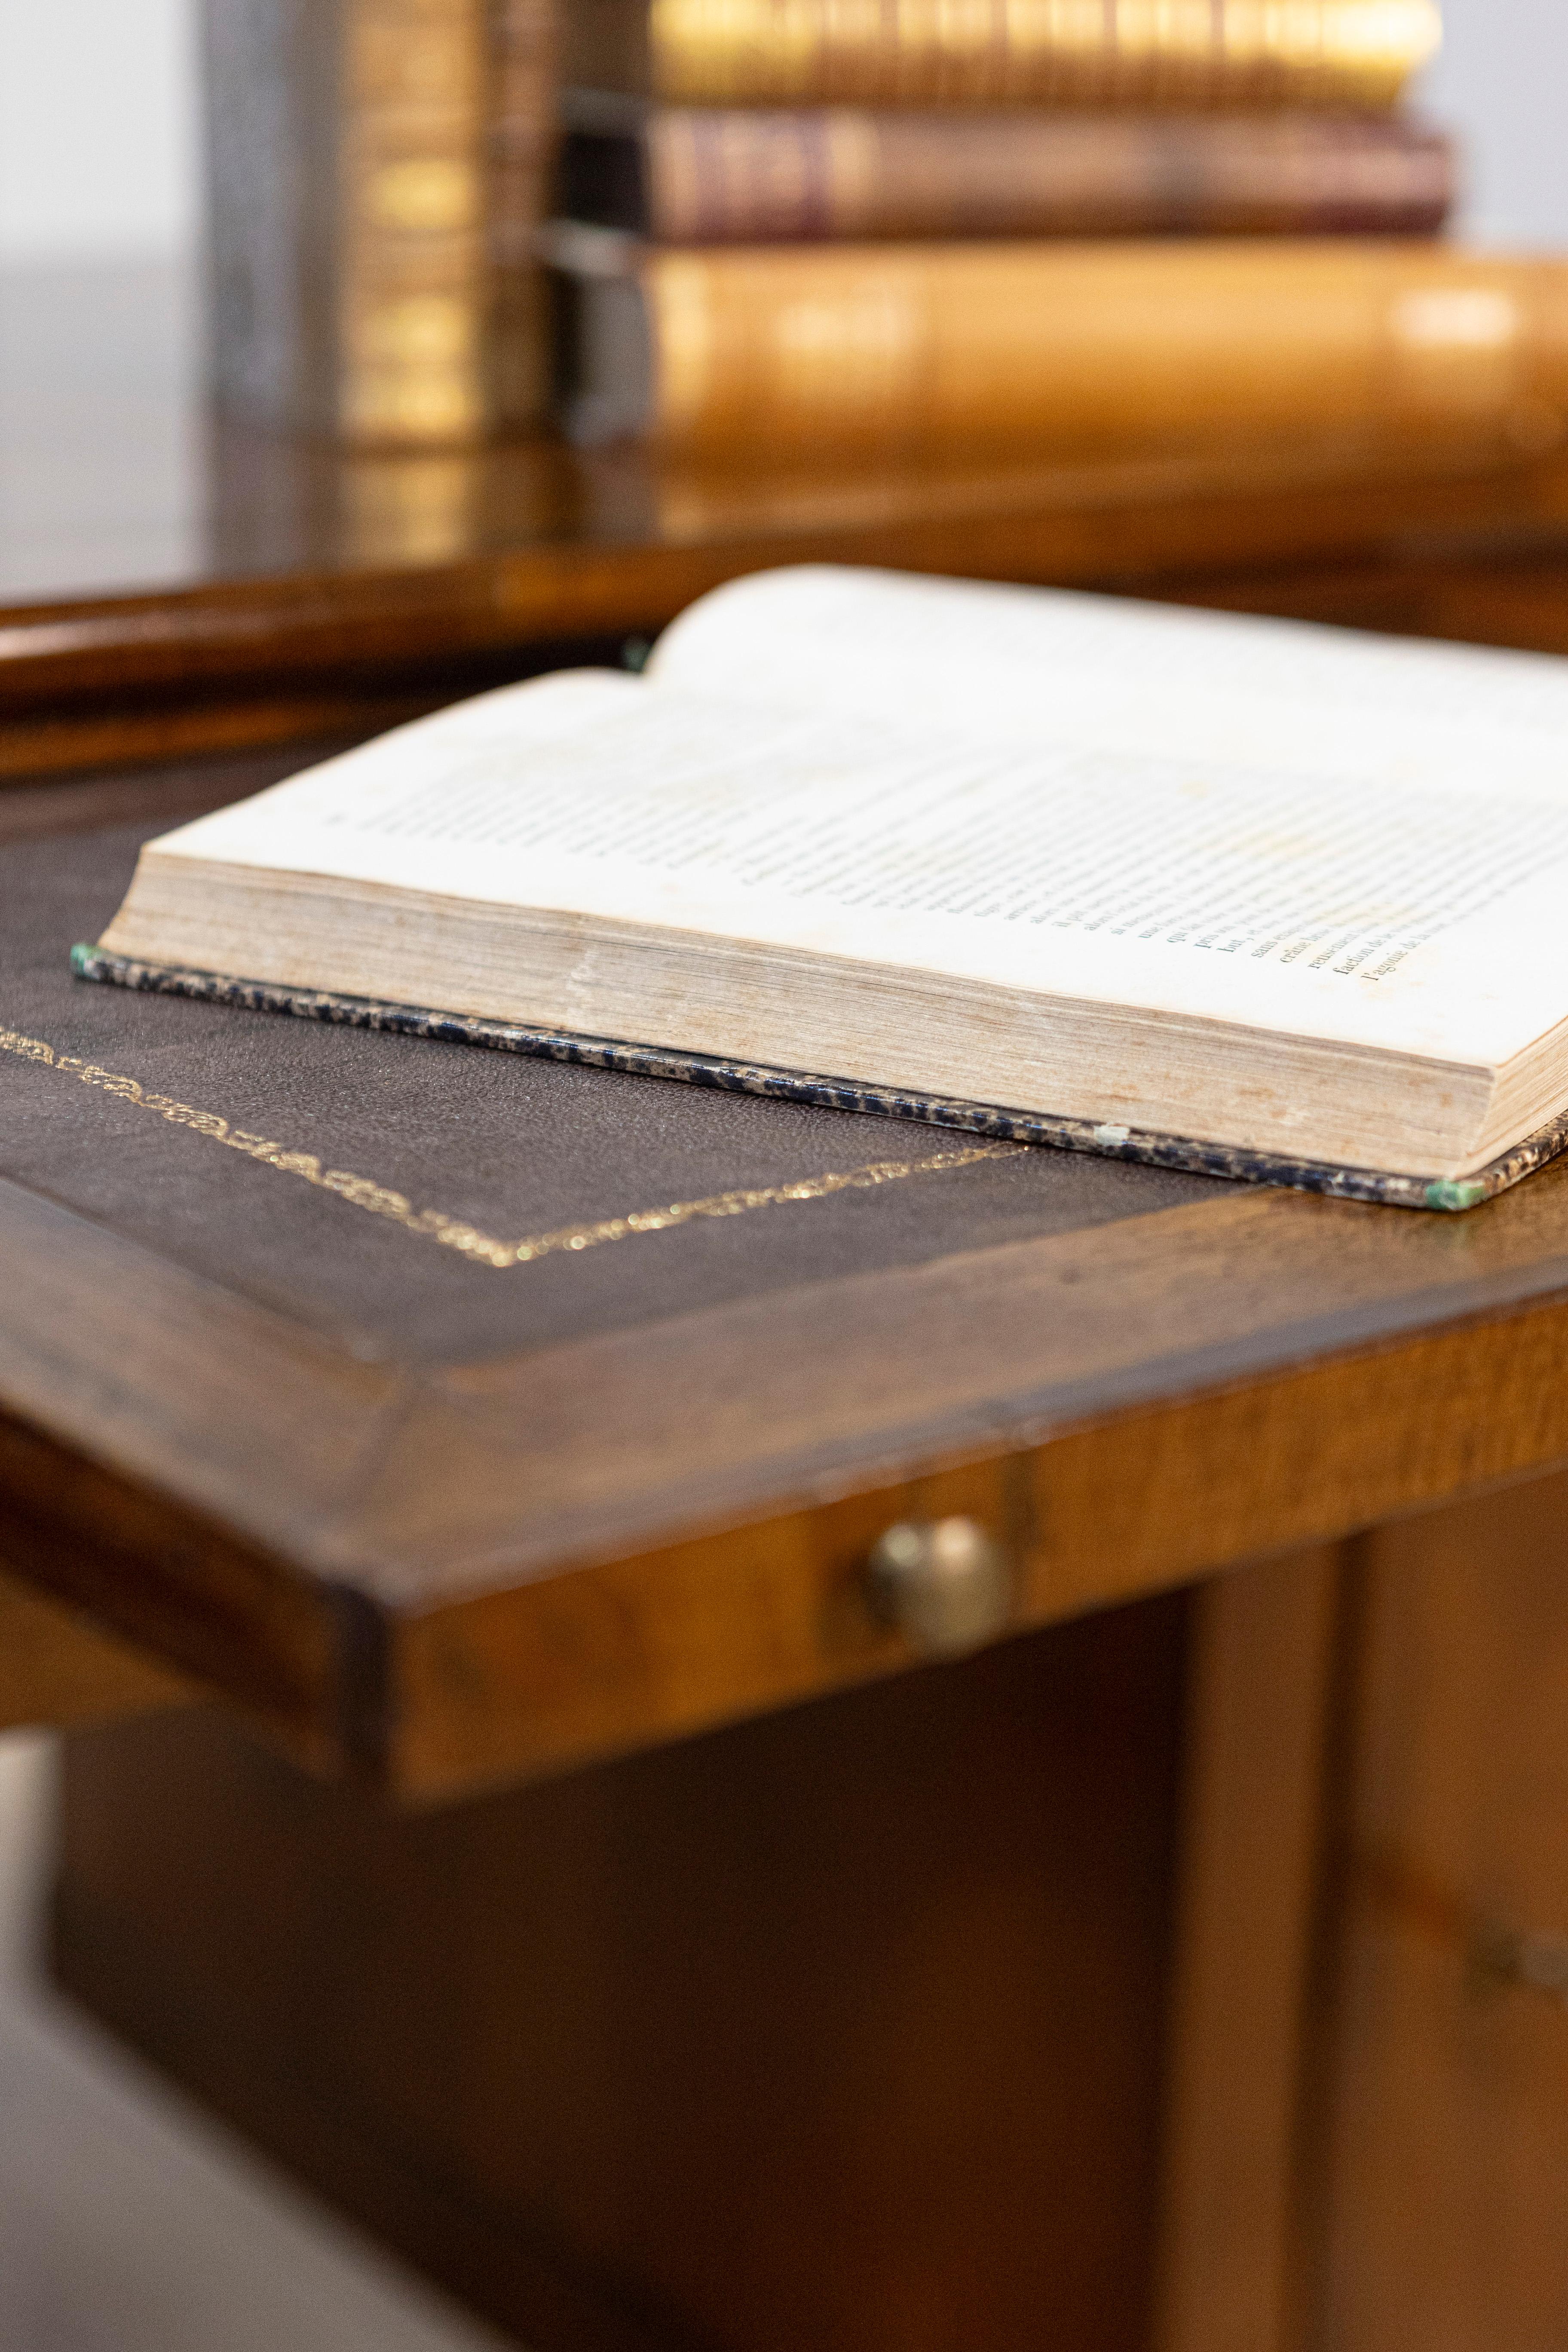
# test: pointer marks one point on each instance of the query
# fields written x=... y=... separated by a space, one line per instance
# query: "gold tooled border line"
x=452 y=1232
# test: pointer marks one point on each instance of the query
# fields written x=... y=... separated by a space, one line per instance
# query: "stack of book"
x=824 y=228
x=836 y=224
x=378 y=172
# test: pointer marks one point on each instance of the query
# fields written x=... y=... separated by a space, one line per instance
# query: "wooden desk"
x=170 y=586
x=756 y=1984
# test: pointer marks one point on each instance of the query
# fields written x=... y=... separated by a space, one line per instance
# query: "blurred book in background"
x=805 y=228
x=378 y=170
x=738 y=175
x=1109 y=346
x=808 y=230
x=1181 y=53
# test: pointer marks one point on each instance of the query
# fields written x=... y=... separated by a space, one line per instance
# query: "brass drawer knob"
x=944 y=1583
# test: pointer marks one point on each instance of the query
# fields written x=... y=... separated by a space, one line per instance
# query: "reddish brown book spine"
x=752 y=177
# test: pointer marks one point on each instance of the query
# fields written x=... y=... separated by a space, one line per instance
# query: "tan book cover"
x=1114 y=346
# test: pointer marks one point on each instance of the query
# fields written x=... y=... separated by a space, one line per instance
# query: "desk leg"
x=1446 y=2146
x=1261 y=1687
x=842 y=2030
x=846 y=2029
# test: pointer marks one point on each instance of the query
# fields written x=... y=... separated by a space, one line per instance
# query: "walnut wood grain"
x=1513 y=594
x=57 y=1667
x=142 y=1422
x=454 y=1575
x=323 y=635
x=1443 y=2152
x=1265 y=1643
x=70 y=741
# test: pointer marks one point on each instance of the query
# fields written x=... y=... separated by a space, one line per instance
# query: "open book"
x=1241 y=895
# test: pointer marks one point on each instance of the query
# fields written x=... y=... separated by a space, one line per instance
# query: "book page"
x=1035 y=664
x=1423 y=922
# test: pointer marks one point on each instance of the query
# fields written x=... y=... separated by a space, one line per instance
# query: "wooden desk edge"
x=253 y=661
x=625 y=1652
x=749 y=1613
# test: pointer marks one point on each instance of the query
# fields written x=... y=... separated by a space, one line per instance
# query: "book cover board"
x=1184 y=1153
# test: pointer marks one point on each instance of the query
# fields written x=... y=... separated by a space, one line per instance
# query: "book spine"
x=739 y=176
x=271 y=80
x=412 y=278
x=523 y=64
x=1176 y=53
x=378 y=169
x=1093 y=349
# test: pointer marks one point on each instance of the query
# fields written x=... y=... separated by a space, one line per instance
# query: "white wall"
x=97 y=106
x=1500 y=80
x=98 y=128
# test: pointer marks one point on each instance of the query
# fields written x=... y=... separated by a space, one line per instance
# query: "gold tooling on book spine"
x=453 y=1233
x=1349 y=53
x=412 y=272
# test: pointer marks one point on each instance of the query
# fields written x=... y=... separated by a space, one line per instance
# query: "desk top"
x=442 y=1522
x=170 y=585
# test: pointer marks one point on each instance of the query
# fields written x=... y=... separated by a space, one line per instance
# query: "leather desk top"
x=513 y=1145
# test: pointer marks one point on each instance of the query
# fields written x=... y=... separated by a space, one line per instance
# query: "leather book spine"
x=756 y=176
x=412 y=285
x=1094 y=348
x=522 y=135
x=378 y=168
x=987 y=53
